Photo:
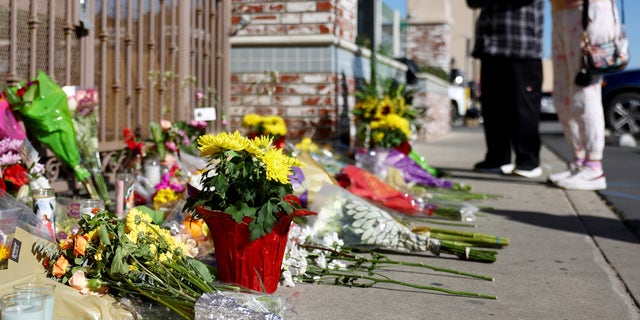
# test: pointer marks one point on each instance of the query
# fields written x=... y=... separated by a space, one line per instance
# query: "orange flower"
x=60 y=267
x=80 y=245
x=66 y=244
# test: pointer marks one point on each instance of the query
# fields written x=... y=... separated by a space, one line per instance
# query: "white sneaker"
x=507 y=168
x=555 y=177
x=533 y=173
x=585 y=179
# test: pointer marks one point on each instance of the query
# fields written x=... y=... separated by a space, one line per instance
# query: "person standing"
x=579 y=107
x=509 y=45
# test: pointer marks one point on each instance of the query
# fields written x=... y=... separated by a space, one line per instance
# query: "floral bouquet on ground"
x=271 y=126
x=246 y=199
x=245 y=178
x=131 y=256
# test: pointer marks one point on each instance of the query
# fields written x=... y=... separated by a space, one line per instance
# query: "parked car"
x=621 y=101
x=547 y=108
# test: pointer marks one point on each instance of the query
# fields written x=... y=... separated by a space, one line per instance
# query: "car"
x=621 y=101
x=547 y=108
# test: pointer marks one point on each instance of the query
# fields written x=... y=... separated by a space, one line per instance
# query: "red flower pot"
x=250 y=264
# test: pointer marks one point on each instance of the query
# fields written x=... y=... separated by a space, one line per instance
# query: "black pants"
x=511 y=90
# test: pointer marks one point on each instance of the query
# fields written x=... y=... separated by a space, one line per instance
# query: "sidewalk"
x=569 y=256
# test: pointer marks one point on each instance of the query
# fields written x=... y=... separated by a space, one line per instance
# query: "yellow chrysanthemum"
x=4 y=252
x=251 y=119
x=135 y=218
x=93 y=234
x=278 y=165
x=275 y=125
x=164 y=196
x=133 y=236
x=210 y=144
x=306 y=144
x=398 y=122
x=263 y=142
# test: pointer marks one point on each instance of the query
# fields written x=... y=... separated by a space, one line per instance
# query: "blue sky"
x=632 y=23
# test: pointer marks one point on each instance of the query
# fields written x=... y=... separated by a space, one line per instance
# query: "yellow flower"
x=263 y=142
x=306 y=144
x=275 y=125
x=210 y=144
x=93 y=234
x=251 y=119
x=279 y=165
x=377 y=137
x=99 y=252
x=4 y=252
x=163 y=196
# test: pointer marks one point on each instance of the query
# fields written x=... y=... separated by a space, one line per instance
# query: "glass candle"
x=47 y=290
x=44 y=206
x=22 y=306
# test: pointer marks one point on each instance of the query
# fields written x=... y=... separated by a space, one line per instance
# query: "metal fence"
x=147 y=58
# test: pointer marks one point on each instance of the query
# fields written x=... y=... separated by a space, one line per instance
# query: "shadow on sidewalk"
x=606 y=227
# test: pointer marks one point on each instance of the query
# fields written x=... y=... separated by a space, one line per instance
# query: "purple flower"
x=8 y=159
x=10 y=144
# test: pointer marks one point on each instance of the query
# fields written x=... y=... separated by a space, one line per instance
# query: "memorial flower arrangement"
x=43 y=108
x=245 y=178
x=83 y=105
x=327 y=260
x=170 y=189
x=14 y=172
x=389 y=131
x=384 y=108
x=131 y=255
x=272 y=126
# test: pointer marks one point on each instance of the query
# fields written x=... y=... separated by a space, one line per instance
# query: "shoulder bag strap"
x=585 y=14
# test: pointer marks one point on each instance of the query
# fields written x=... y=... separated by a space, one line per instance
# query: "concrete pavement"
x=569 y=256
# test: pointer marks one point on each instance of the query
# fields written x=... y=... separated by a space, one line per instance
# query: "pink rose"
x=165 y=124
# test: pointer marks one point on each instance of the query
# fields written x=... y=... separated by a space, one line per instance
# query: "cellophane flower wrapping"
x=43 y=107
x=230 y=306
x=412 y=171
x=83 y=105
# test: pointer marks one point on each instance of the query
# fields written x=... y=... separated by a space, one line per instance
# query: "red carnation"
x=16 y=174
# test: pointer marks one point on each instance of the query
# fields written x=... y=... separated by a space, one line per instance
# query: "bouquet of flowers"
x=45 y=112
x=245 y=178
x=132 y=255
x=170 y=189
x=271 y=126
x=83 y=105
x=19 y=167
x=328 y=260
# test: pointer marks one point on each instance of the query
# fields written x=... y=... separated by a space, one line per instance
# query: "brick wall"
x=297 y=59
x=435 y=123
x=307 y=101
x=334 y=17
x=428 y=44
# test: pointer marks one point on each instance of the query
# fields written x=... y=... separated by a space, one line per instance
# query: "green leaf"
x=104 y=236
x=157 y=216
x=202 y=269
x=119 y=264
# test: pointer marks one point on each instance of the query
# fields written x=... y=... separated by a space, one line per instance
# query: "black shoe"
x=484 y=168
